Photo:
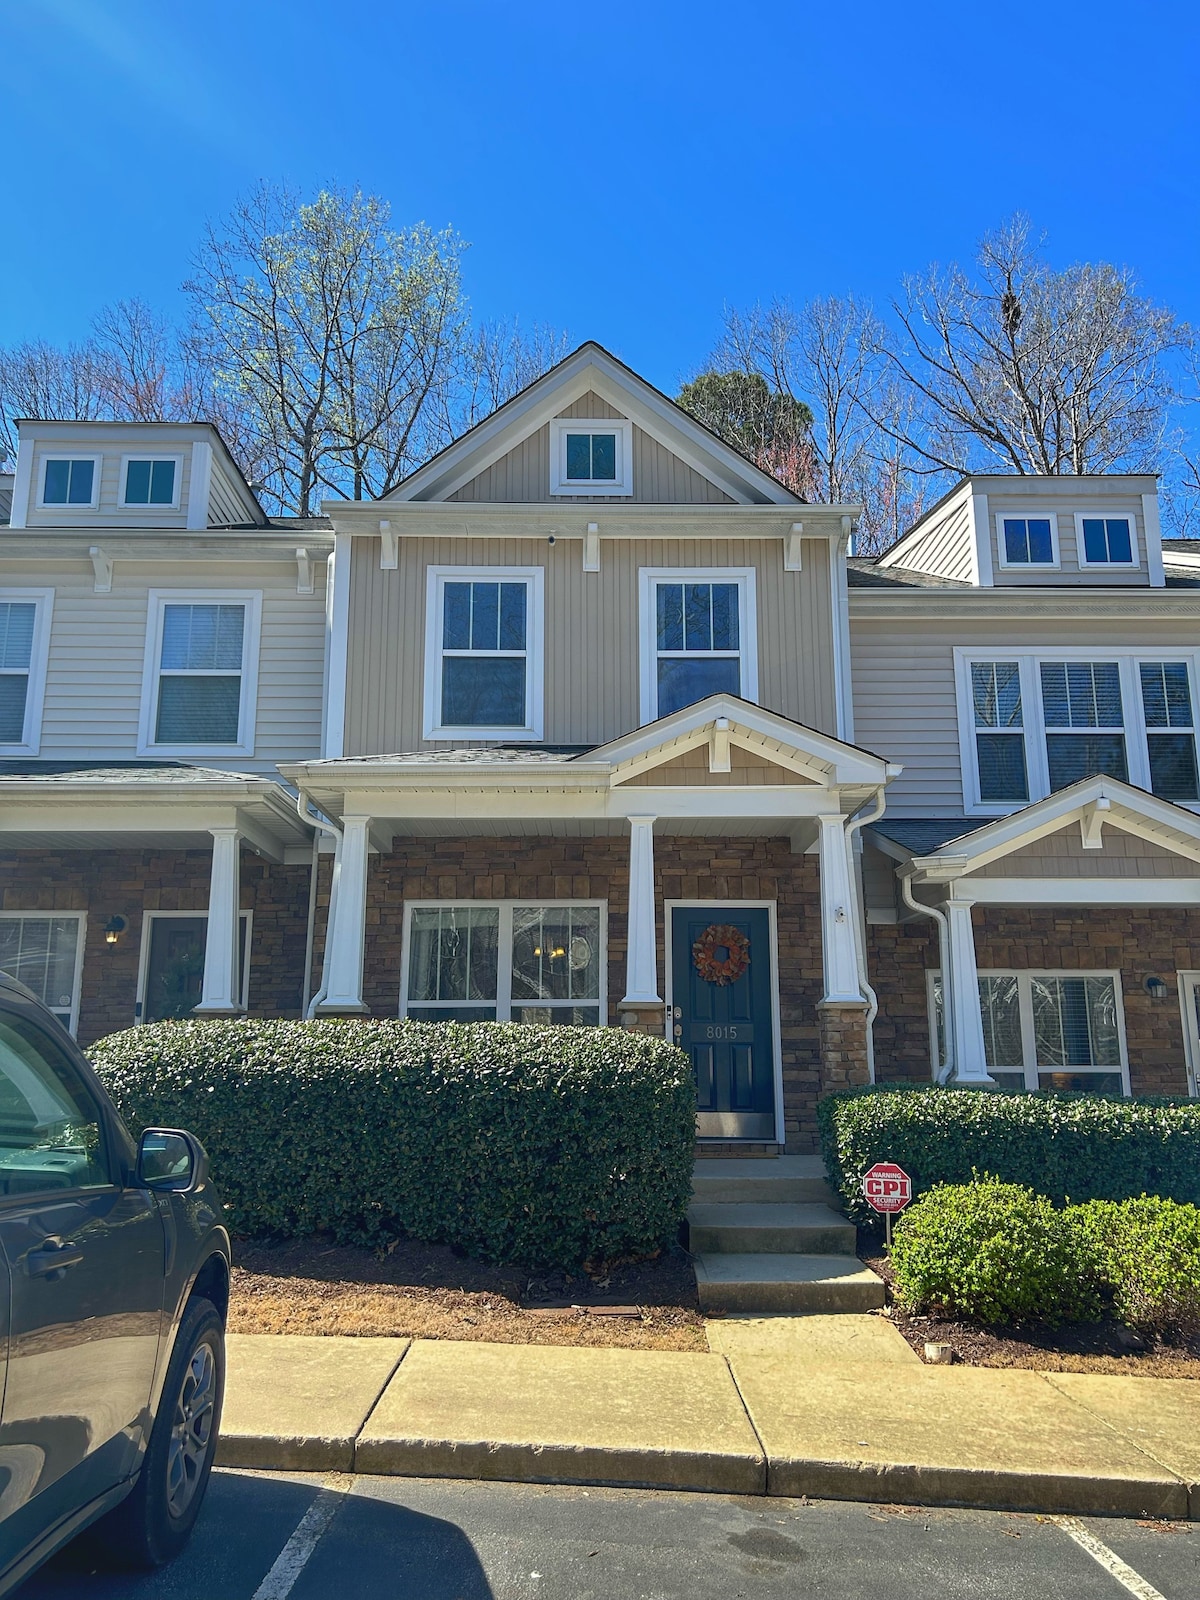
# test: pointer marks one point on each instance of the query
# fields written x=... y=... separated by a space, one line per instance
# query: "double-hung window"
x=150 y=481
x=1048 y=1030
x=506 y=961
x=1028 y=541
x=591 y=456
x=45 y=954
x=70 y=481
x=483 y=659
x=1034 y=724
x=1105 y=541
x=201 y=666
x=698 y=637
x=24 y=640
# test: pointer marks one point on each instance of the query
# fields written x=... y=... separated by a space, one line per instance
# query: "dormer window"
x=70 y=481
x=1105 y=542
x=1028 y=542
x=149 y=480
x=591 y=455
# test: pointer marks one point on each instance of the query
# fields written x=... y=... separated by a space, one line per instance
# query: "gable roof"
x=593 y=368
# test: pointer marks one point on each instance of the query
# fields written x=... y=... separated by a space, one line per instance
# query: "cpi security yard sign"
x=888 y=1188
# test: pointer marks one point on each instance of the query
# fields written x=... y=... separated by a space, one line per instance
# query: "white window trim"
x=504 y=1000
x=1108 y=516
x=80 y=939
x=1188 y=983
x=1023 y=976
x=648 y=579
x=246 y=917
x=151 y=455
x=1027 y=566
x=1137 y=752
x=535 y=580
x=157 y=601
x=69 y=455
x=561 y=484
x=39 y=655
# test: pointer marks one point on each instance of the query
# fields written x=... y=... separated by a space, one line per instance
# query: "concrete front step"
x=799 y=1180
x=781 y=1284
x=743 y=1227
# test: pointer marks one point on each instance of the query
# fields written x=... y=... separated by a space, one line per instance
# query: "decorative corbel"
x=102 y=568
x=304 y=572
x=591 y=548
x=718 y=746
x=1091 y=823
x=792 y=558
x=389 y=547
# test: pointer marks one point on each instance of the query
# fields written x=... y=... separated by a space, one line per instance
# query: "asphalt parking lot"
x=275 y=1536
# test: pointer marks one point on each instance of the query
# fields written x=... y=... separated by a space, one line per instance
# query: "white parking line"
x=1108 y=1559
x=309 y=1531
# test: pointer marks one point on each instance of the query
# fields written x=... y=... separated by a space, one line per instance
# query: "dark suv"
x=117 y=1269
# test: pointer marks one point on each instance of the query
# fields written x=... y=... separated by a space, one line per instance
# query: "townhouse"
x=592 y=722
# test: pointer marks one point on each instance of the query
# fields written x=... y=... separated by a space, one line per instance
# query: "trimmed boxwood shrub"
x=1145 y=1256
x=1064 y=1146
x=993 y=1252
x=546 y=1146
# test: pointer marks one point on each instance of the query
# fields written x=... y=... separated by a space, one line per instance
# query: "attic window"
x=591 y=456
x=71 y=482
x=150 y=481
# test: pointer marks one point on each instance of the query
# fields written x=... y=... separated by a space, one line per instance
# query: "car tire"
x=155 y=1521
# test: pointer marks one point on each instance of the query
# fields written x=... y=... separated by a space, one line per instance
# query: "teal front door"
x=722 y=1016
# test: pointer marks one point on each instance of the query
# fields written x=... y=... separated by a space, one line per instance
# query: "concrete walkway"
x=820 y=1406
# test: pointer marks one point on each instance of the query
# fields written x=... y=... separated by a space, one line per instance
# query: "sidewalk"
x=834 y=1407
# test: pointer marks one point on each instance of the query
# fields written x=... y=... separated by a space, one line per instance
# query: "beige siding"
x=97 y=652
x=691 y=770
x=1062 y=855
x=947 y=550
x=659 y=476
x=904 y=688
x=109 y=513
x=1064 y=497
x=591 y=667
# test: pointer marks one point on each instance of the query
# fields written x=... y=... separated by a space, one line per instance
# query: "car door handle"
x=52 y=1257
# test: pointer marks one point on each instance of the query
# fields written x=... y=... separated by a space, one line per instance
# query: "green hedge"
x=540 y=1145
x=1064 y=1146
x=1145 y=1254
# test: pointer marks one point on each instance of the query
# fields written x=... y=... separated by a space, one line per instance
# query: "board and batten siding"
x=904 y=690
x=659 y=476
x=592 y=633
x=97 y=651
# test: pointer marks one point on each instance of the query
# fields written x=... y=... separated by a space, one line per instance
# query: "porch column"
x=343 y=966
x=838 y=911
x=960 y=996
x=220 y=990
x=641 y=960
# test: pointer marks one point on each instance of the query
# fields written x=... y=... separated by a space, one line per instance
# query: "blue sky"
x=621 y=171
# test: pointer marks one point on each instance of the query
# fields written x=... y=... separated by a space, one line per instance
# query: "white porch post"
x=641 y=961
x=960 y=993
x=838 y=911
x=220 y=990
x=343 y=967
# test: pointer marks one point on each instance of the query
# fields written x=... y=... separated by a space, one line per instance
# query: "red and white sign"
x=887 y=1187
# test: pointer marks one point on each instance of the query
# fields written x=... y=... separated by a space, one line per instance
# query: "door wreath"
x=721 y=954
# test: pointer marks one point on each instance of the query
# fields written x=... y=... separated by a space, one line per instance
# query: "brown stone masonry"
x=129 y=883
x=1139 y=942
x=598 y=869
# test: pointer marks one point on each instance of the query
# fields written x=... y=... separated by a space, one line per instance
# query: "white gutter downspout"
x=853 y=824
x=317 y=821
x=945 y=1069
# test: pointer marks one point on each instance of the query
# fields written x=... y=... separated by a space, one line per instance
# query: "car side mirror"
x=170 y=1160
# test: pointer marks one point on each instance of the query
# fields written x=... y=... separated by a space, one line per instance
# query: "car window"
x=51 y=1133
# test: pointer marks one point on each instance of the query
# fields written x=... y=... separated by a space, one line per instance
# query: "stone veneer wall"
x=598 y=869
x=128 y=883
x=1137 y=941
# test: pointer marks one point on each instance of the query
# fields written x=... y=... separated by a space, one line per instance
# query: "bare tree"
x=38 y=379
x=1020 y=368
x=497 y=361
x=333 y=336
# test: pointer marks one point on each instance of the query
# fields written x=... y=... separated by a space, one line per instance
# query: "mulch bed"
x=1105 y=1347
x=426 y=1291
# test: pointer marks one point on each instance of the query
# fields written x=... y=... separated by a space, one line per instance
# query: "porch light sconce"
x=1156 y=988
x=114 y=928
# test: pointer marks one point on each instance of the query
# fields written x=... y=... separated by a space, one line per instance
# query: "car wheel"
x=155 y=1522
